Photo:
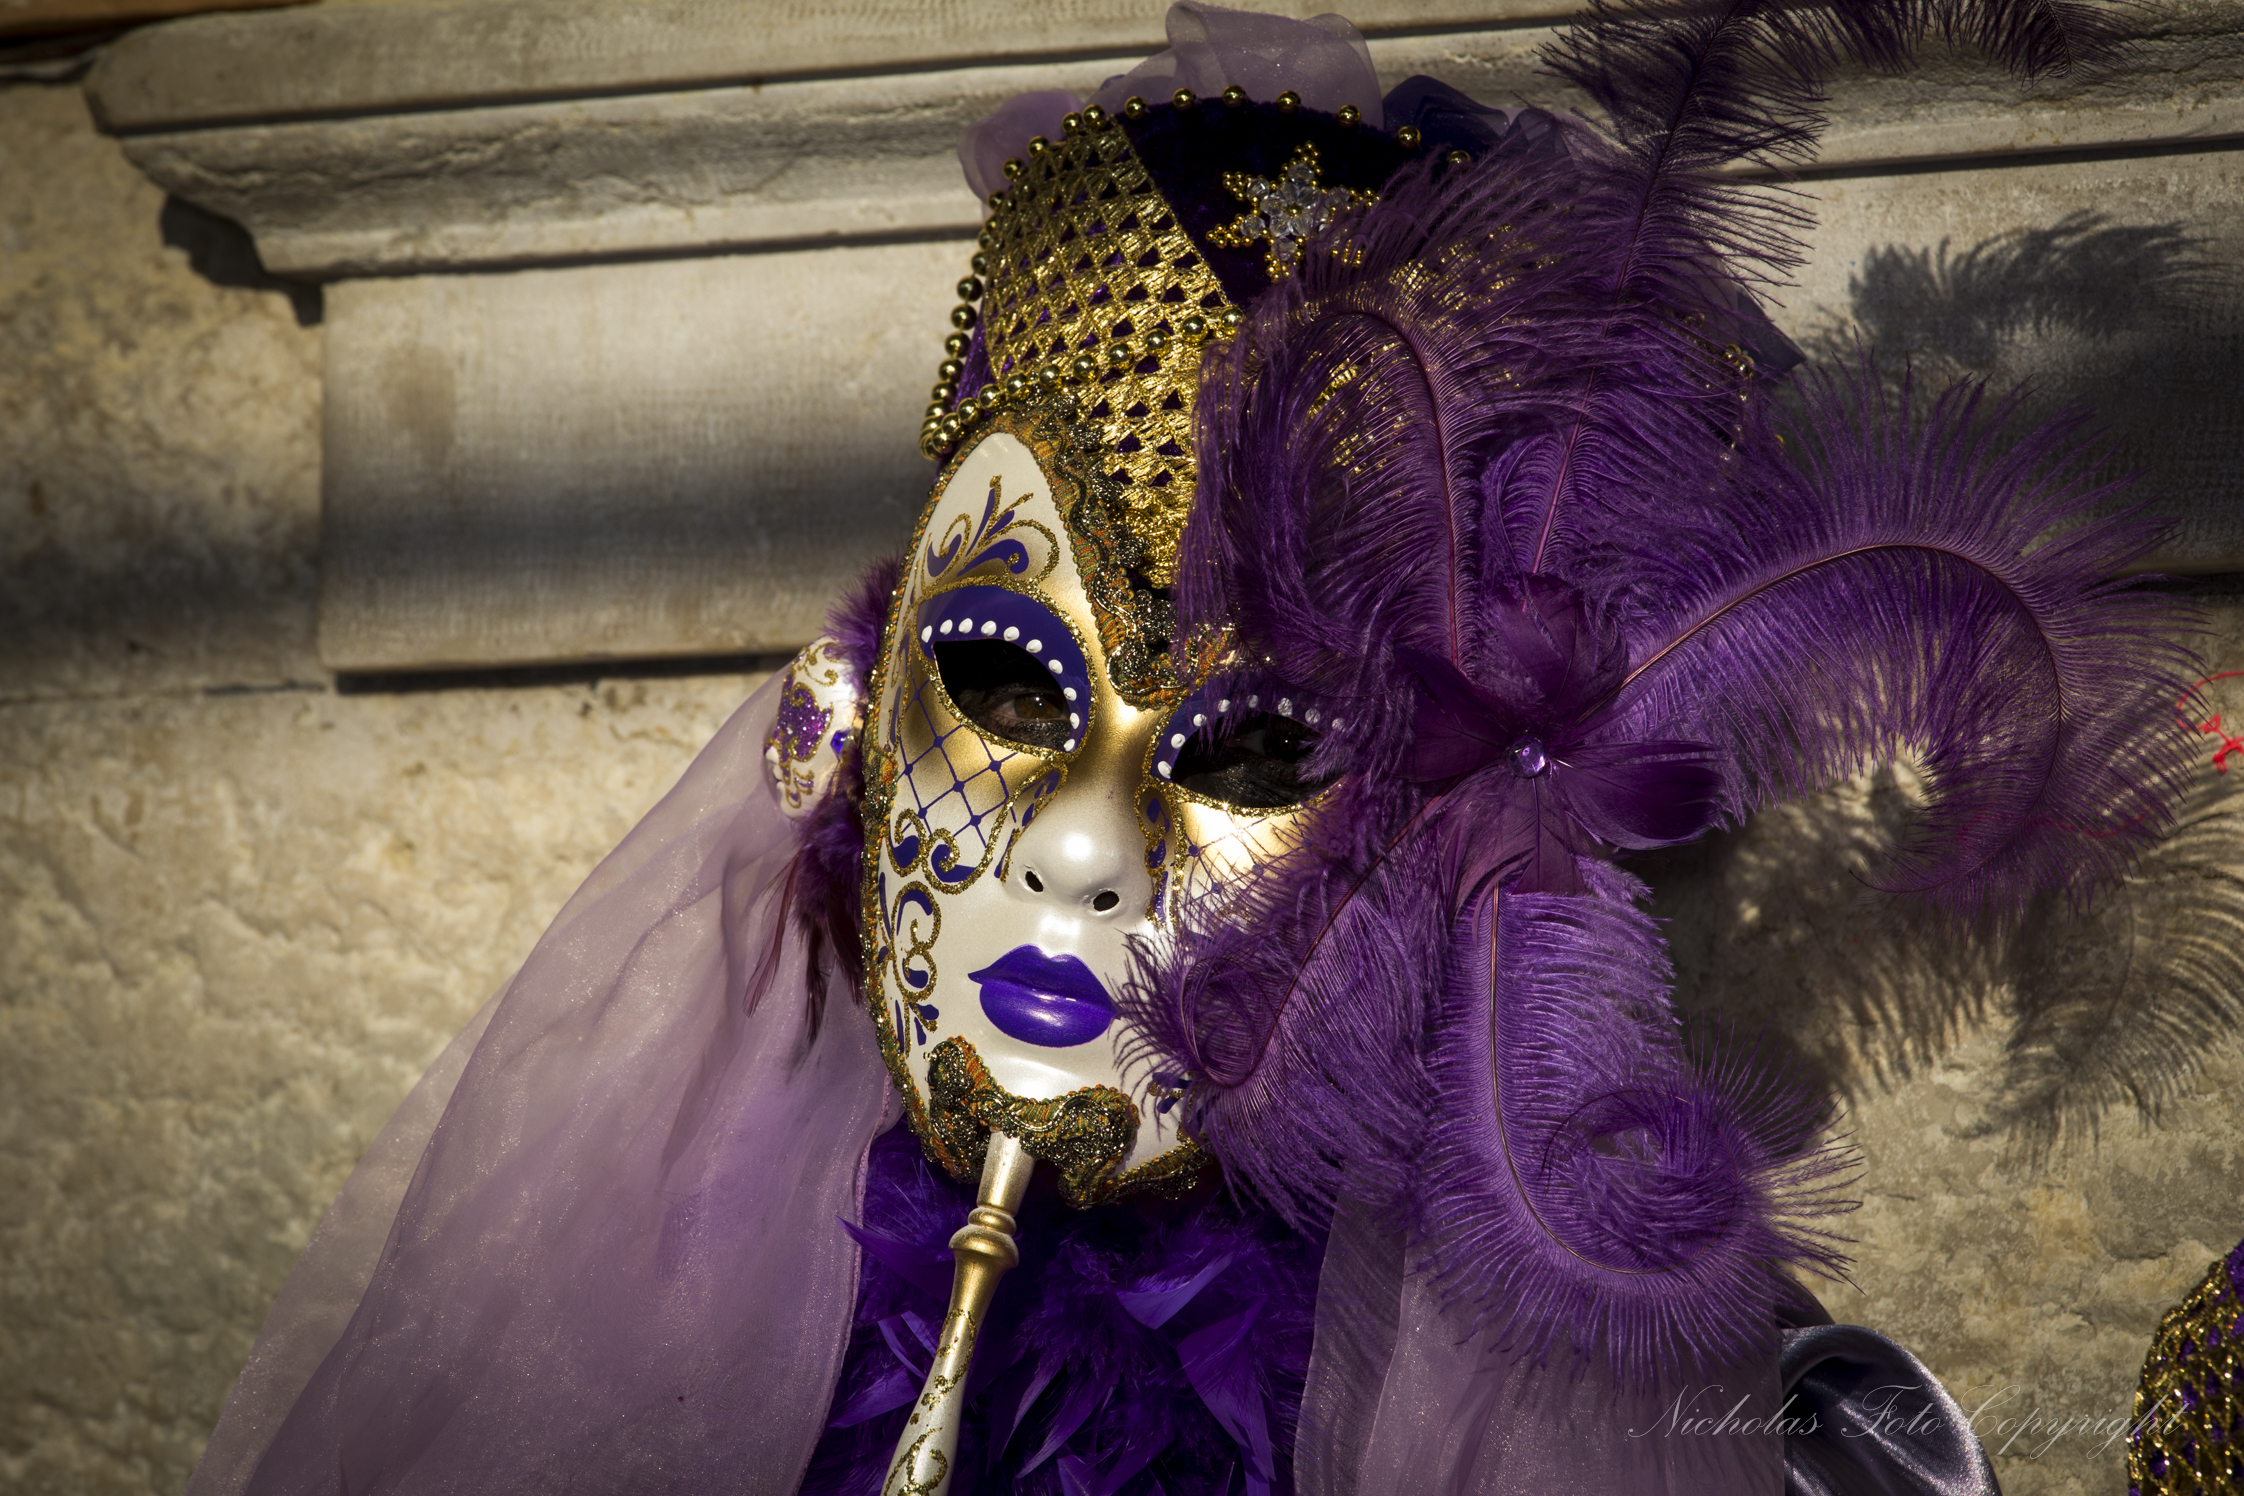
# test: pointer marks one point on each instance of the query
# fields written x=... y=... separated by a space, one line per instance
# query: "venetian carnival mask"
x=1043 y=790
x=1049 y=775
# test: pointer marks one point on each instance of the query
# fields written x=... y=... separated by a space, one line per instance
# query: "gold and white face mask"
x=1043 y=789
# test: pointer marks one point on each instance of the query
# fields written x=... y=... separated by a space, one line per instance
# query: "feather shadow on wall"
x=2109 y=1009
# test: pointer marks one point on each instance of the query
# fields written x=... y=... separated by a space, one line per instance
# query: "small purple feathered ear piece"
x=820 y=897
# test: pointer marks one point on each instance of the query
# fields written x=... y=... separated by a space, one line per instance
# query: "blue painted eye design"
x=1242 y=746
x=1009 y=665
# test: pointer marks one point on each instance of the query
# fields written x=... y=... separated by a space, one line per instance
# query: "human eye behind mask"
x=1003 y=690
x=1229 y=747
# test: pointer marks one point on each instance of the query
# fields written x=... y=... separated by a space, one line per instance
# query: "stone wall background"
x=240 y=910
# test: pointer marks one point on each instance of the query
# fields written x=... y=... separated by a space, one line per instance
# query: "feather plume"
x=1885 y=586
x=1512 y=406
x=1584 y=1178
x=1296 y=1000
x=1689 y=91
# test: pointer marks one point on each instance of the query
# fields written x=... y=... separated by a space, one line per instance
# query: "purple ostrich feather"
x=1501 y=475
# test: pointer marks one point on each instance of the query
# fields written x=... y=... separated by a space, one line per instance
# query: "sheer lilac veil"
x=617 y=1263
x=1405 y=1394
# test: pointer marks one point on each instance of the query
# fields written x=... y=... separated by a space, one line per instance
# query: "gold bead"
x=953 y=424
x=1119 y=356
x=936 y=410
x=1288 y=102
x=1233 y=318
x=970 y=289
x=1096 y=117
x=1084 y=366
x=1038 y=145
x=1234 y=96
x=963 y=317
x=1016 y=385
x=1134 y=107
x=1157 y=340
x=1071 y=124
x=980 y=264
x=949 y=369
x=997 y=201
x=956 y=344
x=987 y=238
x=1014 y=168
x=1182 y=98
x=1349 y=116
x=1194 y=326
x=1047 y=379
x=1457 y=158
x=943 y=393
x=1408 y=137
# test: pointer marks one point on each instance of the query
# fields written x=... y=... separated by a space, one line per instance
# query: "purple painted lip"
x=1054 y=1001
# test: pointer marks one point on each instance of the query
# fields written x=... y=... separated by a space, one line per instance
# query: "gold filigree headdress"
x=1090 y=279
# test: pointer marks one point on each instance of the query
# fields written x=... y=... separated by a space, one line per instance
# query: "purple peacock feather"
x=1503 y=475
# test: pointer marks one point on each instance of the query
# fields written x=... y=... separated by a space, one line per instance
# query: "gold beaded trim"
x=2189 y=1406
x=1083 y=278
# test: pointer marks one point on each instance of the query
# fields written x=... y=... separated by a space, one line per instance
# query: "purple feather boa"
x=1136 y=1349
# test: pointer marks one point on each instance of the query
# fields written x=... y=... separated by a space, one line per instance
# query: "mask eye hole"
x=1255 y=764
x=1003 y=690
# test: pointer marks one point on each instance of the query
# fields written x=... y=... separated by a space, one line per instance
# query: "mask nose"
x=1084 y=853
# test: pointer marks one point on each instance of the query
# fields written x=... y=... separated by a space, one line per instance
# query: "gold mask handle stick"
x=985 y=1252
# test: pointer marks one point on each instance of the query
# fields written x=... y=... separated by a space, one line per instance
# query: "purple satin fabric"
x=1871 y=1420
x=618 y=1263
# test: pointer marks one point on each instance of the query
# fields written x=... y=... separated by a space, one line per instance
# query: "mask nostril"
x=1035 y=884
x=1106 y=901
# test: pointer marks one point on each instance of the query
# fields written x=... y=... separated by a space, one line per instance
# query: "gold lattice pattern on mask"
x=1092 y=282
x=2189 y=1405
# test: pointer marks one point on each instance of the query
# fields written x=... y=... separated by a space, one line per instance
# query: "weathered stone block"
x=670 y=458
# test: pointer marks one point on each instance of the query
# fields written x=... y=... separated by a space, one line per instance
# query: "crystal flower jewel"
x=1295 y=208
